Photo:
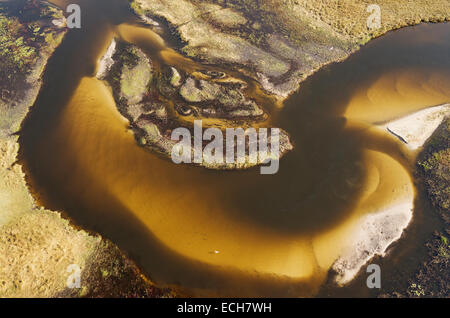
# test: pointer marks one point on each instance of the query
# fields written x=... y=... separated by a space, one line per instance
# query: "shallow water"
x=236 y=232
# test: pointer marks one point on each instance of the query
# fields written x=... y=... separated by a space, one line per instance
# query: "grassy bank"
x=280 y=42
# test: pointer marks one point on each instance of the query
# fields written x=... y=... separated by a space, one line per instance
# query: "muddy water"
x=232 y=233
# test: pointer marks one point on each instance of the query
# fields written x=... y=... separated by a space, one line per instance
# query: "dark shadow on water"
x=316 y=186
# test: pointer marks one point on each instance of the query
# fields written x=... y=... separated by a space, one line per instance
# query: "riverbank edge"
x=40 y=250
x=322 y=44
x=432 y=173
x=54 y=215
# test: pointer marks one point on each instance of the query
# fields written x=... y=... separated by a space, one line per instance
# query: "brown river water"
x=237 y=233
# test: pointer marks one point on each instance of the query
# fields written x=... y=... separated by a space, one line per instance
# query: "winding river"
x=237 y=232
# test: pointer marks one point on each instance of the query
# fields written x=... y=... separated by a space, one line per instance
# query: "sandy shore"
x=415 y=129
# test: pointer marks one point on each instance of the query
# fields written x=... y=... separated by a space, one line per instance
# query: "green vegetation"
x=434 y=167
x=432 y=278
x=16 y=51
x=416 y=290
x=131 y=74
x=134 y=81
x=23 y=39
x=137 y=8
x=175 y=80
x=274 y=18
x=444 y=247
